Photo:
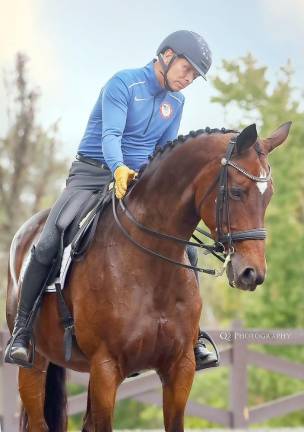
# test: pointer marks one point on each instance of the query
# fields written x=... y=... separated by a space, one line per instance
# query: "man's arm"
x=115 y=99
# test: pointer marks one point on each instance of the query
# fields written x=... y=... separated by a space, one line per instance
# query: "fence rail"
x=145 y=388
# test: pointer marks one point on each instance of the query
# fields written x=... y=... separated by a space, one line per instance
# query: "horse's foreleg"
x=104 y=380
x=177 y=384
x=32 y=394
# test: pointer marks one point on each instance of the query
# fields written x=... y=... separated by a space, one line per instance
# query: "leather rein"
x=218 y=248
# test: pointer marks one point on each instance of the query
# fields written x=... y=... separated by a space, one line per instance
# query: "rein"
x=222 y=207
x=217 y=247
x=160 y=235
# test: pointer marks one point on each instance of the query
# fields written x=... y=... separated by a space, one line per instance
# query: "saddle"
x=77 y=224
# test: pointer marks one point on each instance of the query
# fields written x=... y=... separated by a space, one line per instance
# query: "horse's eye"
x=236 y=193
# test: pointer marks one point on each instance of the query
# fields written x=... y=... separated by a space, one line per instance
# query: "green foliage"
x=76 y=420
x=31 y=167
x=263 y=386
x=130 y=414
x=279 y=302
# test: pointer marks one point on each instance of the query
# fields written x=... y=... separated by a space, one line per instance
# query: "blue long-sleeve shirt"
x=132 y=114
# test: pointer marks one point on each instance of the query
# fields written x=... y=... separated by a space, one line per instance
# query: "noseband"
x=223 y=245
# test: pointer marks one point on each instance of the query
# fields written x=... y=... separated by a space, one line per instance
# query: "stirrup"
x=204 y=335
x=9 y=359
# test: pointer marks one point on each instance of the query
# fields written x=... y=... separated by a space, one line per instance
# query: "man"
x=136 y=110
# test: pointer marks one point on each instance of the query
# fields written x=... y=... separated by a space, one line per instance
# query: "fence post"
x=8 y=390
x=238 y=378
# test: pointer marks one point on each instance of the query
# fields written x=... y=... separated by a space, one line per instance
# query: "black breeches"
x=82 y=181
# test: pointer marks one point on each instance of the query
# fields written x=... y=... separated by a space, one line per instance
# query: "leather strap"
x=150 y=251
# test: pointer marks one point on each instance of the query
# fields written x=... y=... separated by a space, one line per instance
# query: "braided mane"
x=181 y=139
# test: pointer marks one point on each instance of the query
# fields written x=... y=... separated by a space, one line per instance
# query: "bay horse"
x=133 y=310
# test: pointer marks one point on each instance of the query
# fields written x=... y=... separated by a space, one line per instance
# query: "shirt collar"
x=153 y=84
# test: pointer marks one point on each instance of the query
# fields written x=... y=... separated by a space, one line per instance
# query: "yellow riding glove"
x=123 y=176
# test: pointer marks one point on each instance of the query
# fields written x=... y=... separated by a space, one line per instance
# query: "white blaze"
x=262 y=186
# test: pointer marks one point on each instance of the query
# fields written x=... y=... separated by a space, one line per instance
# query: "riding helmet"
x=190 y=45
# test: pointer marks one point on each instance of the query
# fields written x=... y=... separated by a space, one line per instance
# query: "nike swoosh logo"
x=137 y=99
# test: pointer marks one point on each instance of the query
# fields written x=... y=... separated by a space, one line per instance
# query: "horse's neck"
x=164 y=197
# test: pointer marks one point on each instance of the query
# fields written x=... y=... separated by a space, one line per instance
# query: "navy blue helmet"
x=190 y=45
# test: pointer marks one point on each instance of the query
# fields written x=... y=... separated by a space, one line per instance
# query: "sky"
x=75 y=46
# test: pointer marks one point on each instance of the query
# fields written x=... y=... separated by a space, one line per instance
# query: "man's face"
x=181 y=73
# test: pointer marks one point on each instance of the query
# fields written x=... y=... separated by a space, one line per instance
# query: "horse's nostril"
x=248 y=276
x=259 y=279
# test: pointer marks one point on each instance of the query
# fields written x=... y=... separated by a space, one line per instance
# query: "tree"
x=31 y=168
x=244 y=85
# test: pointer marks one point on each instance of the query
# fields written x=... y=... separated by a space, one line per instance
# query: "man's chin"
x=177 y=87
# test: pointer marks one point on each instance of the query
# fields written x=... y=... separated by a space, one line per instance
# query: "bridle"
x=222 y=248
x=222 y=202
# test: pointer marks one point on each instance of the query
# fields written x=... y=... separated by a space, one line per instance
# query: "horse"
x=134 y=308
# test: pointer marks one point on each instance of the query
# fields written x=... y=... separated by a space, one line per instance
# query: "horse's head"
x=234 y=210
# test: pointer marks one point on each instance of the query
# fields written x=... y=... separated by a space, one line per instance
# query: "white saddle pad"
x=65 y=265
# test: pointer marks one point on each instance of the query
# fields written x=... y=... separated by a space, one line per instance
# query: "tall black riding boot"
x=18 y=350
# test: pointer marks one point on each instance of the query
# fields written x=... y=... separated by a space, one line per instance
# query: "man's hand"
x=123 y=176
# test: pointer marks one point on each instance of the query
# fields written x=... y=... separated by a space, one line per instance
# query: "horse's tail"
x=55 y=405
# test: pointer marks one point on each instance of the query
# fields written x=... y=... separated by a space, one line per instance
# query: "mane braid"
x=181 y=139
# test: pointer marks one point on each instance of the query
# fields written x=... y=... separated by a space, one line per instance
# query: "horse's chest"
x=154 y=336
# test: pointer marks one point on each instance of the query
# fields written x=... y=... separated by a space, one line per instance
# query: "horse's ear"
x=246 y=138
x=277 y=137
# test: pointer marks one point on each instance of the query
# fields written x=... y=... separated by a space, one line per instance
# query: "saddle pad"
x=65 y=265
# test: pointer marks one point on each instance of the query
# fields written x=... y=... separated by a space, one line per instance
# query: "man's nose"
x=189 y=77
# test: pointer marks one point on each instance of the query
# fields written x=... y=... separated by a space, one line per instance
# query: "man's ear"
x=246 y=138
x=167 y=55
x=277 y=137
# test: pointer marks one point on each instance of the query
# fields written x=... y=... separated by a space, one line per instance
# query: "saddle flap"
x=71 y=207
x=77 y=236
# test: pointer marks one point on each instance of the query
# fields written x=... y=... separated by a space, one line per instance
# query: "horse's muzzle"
x=247 y=278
